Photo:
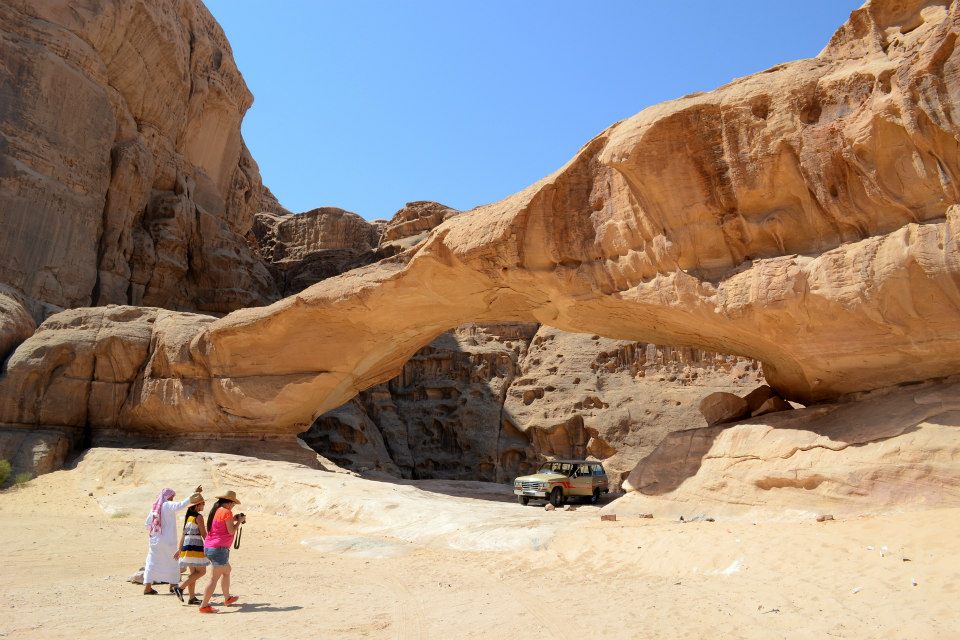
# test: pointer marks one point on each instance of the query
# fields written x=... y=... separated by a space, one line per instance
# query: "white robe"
x=160 y=565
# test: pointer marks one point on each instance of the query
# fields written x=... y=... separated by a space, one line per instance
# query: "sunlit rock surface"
x=805 y=217
x=123 y=174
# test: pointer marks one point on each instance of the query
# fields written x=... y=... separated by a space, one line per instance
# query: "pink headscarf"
x=153 y=523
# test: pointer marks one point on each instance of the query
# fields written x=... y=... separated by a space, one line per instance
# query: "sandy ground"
x=333 y=556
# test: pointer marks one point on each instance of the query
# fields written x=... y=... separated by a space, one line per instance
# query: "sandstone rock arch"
x=805 y=216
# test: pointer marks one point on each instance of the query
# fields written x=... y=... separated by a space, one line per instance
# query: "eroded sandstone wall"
x=709 y=221
x=489 y=402
x=806 y=217
x=442 y=417
x=887 y=449
x=123 y=174
x=303 y=249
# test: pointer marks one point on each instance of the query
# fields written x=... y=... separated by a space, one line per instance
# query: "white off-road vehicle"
x=559 y=480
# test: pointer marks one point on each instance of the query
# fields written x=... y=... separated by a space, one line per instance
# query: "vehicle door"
x=582 y=481
x=599 y=477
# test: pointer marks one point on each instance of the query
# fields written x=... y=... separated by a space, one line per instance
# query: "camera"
x=241 y=517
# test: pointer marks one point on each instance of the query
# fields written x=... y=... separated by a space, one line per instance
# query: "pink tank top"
x=218 y=536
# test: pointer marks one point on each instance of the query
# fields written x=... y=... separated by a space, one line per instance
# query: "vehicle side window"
x=584 y=470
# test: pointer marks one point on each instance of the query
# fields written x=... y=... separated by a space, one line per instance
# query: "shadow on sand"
x=257 y=607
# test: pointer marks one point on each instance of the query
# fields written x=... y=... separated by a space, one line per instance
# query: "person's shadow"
x=249 y=607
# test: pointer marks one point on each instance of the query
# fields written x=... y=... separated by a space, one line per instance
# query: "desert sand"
x=329 y=555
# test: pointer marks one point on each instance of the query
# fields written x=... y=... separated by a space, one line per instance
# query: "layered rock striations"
x=123 y=174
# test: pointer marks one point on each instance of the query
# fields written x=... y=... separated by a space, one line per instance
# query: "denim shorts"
x=218 y=556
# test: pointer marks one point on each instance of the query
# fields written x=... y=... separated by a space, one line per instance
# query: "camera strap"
x=236 y=541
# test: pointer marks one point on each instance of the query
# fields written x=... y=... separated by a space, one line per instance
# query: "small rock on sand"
x=824 y=517
x=700 y=517
x=608 y=517
x=549 y=507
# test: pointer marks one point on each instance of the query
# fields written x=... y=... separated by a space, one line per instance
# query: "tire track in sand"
x=407 y=612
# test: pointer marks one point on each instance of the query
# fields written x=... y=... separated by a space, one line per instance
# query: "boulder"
x=772 y=405
x=16 y=324
x=720 y=407
x=758 y=396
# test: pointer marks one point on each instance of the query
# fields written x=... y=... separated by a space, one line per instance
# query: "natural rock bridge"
x=805 y=216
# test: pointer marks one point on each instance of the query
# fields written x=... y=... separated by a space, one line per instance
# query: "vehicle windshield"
x=565 y=468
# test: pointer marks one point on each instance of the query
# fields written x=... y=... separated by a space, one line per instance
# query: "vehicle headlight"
x=542 y=486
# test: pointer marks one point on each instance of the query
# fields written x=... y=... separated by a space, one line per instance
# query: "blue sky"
x=367 y=105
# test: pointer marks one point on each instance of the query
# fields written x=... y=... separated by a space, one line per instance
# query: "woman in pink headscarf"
x=161 y=564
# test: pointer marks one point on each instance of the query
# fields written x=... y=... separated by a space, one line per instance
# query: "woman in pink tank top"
x=221 y=527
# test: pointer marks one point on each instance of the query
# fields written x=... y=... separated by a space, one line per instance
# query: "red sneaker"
x=231 y=600
x=207 y=609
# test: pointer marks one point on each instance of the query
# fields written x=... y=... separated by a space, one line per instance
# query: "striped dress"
x=191 y=554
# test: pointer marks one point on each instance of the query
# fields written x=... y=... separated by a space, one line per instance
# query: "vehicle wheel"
x=556 y=497
x=524 y=500
x=595 y=498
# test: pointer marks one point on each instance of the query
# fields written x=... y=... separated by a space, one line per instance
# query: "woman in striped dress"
x=191 y=551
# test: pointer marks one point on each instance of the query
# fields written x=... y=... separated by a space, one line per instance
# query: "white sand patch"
x=734 y=567
x=358 y=546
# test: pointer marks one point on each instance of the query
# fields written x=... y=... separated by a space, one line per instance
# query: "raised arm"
x=176 y=506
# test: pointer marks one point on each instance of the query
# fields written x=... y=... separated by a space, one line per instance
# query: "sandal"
x=207 y=609
x=229 y=601
x=194 y=601
x=151 y=592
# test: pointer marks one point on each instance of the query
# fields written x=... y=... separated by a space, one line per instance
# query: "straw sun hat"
x=229 y=495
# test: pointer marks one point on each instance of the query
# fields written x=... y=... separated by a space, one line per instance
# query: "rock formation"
x=442 y=417
x=124 y=175
x=303 y=249
x=709 y=221
x=806 y=216
x=889 y=448
x=411 y=225
x=489 y=401
x=580 y=395
x=16 y=323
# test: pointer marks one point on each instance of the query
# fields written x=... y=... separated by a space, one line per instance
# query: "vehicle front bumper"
x=530 y=493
